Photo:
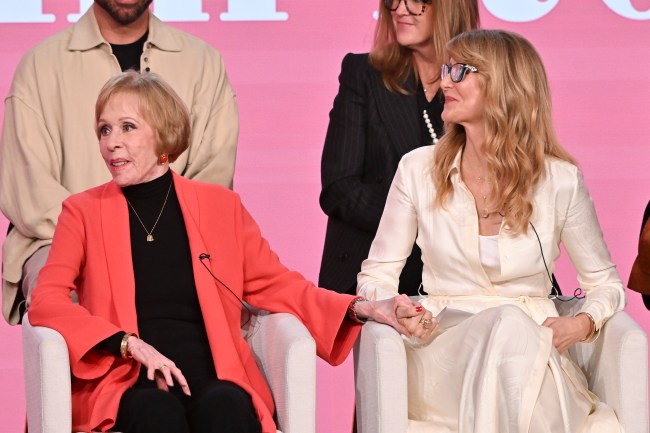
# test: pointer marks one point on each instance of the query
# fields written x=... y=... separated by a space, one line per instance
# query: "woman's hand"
x=422 y=326
x=568 y=331
x=385 y=311
x=158 y=366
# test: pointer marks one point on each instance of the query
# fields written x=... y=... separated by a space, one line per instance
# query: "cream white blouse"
x=449 y=239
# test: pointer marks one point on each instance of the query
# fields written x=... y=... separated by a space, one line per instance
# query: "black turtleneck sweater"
x=166 y=301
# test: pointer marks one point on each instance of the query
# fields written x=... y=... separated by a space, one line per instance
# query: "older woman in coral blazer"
x=140 y=251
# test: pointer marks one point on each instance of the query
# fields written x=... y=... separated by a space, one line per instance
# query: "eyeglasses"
x=456 y=71
x=421 y=5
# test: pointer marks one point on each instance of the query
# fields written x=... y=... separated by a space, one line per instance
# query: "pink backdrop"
x=283 y=59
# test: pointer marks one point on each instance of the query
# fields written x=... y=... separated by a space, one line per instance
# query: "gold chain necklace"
x=150 y=232
x=484 y=211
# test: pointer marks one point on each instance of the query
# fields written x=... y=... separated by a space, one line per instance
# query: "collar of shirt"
x=86 y=34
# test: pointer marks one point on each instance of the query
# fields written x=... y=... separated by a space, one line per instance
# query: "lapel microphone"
x=204 y=256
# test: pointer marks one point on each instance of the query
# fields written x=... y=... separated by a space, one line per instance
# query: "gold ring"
x=426 y=323
x=162 y=366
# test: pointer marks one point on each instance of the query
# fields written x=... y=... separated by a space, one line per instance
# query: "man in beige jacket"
x=49 y=147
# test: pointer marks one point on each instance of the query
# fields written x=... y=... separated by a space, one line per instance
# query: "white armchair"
x=282 y=346
x=616 y=366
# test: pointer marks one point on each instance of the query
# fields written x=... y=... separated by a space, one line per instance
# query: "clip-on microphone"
x=204 y=256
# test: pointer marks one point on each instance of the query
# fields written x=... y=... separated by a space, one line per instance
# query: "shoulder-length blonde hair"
x=518 y=122
x=159 y=105
x=395 y=62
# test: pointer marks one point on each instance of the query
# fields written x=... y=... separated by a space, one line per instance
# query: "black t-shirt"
x=128 y=55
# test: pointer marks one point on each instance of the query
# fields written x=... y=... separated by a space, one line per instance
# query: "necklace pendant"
x=149 y=238
x=484 y=213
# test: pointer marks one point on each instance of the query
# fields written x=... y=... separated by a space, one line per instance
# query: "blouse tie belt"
x=530 y=304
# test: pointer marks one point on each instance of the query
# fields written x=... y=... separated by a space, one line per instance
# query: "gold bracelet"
x=592 y=328
x=124 y=346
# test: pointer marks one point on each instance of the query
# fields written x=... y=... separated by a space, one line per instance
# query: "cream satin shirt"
x=449 y=239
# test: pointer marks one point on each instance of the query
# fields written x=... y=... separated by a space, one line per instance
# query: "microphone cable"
x=556 y=292
x=204 y=256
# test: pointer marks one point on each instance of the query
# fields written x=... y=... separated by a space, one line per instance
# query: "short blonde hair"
x=159 y=105
x=518 y=122
x=395 y=62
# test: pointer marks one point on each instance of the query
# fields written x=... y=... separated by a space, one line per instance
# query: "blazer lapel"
x=221 y=311
x=208 y=289
x=117 y=247
x=399 y=113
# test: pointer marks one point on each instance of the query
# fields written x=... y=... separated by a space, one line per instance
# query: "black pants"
x=216 y=407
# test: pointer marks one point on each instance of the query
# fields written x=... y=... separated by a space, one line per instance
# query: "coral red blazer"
x=91 y=253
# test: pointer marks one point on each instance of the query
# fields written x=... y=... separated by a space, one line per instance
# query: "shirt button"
x=147 y=69
x=146 y=59
x=344 y=256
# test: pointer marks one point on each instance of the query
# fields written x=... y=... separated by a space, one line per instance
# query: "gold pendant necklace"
x=150 y=232
x=484 y=211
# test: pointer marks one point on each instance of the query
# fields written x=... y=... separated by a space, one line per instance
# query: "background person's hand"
x=568 y=331
x=158 y=366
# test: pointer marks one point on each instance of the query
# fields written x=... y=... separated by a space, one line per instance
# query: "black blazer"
x=370 y=129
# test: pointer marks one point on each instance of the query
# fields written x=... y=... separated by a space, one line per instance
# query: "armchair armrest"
x=286 y=354
x=616 y=366
x=380 y=378
x=47 y=379
x=283 y=348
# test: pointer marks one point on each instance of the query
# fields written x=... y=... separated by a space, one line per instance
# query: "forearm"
x=112 y=344
x=584 y=242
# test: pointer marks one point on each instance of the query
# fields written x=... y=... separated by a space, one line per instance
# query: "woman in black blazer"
x=388 y=104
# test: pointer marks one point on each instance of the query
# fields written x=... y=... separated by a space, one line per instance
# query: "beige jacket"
x=49 y=149
x=453 y=274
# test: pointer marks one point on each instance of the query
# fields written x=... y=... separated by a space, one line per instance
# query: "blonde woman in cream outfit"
x=475 y=204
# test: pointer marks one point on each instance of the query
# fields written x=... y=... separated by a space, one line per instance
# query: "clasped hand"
x=421 y=325
x=407 y=317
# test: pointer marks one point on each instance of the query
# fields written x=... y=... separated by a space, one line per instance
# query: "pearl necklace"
x=432 y=132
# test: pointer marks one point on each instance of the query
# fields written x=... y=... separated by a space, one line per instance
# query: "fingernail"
x=419 y=308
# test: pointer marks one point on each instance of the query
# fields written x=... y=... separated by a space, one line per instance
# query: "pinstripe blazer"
x=370 y=129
